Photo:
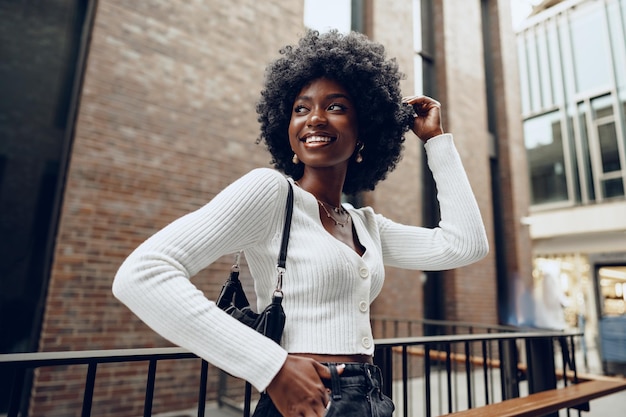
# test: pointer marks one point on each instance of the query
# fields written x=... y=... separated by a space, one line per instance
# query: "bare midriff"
x=337 y=358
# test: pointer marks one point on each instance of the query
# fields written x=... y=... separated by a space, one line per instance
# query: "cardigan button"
x=364 y=272
x=366 y=342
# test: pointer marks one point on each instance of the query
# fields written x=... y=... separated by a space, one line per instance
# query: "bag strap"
x=282 y=255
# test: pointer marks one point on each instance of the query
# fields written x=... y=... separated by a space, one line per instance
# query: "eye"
x=337 y=107
x=299 y=108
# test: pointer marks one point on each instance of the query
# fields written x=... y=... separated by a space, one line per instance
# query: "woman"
x=334 y=121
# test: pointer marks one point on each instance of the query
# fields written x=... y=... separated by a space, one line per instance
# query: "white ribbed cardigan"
x=328 y=288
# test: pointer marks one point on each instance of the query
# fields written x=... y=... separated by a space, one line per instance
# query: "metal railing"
x=426 y=376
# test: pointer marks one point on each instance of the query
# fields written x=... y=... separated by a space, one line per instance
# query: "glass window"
x=592 y=57
x=418 y=77
x=609 y=152
x=323 y=15
x=607 y=134
x=586 y=173
x=544 y=145
x=544 y=69
x=613 y=188
x=555 y=64
x=617 y=41
x=533 y=73
x=567 y=68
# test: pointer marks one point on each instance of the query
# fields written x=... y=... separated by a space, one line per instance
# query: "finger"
x=324 y=371
x=412 y=100
x=340 y=368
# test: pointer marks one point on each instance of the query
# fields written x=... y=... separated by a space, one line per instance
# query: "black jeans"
x=354 y=393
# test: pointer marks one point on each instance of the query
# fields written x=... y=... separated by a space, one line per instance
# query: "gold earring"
x=359 y=157
x=295 y=159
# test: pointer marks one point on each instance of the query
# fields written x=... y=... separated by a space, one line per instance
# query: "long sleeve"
x=154 y=281
x=460 y=237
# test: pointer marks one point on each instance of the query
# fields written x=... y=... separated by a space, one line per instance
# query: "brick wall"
x=166 y=120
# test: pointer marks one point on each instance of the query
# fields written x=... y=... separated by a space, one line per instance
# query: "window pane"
x=613 y=188
x=591 y=50
x=618 y=41
x=586 y=171
x=602 y=107
x=323 y=15
x=608 y=147
x=533 y=73
x=544 y=70
x=544 y=145
x=555 y=64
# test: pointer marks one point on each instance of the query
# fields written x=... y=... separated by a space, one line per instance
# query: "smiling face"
x=323 y=127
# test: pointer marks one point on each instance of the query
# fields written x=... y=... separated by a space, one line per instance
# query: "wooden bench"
x=545 y=402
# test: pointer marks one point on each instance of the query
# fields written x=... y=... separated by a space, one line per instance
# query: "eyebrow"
x=328 y=97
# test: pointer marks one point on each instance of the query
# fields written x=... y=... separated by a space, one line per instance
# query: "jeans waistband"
x=363 y=374
x=357 y=369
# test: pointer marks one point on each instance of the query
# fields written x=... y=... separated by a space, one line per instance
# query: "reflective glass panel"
x=544 y=69
x=613 y=188
x=592 y=56
x=618 y=41
x=585 y=172
x=607 y=136
x=533 y=73
x=555 y=64
x=544 y=146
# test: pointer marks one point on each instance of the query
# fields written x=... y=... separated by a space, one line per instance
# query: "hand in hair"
x=427 y=122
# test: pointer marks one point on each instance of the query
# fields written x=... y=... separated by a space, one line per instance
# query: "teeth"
x=317 y=139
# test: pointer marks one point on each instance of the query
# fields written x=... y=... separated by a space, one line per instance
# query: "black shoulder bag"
x=232 y=299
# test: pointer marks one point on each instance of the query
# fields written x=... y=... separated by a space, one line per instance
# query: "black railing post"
x=19 y=376
x=204 y=375
x=508 y=369
x=427 y=390
x=449 y=376
x=486 y=370
x=541 y=366
x=468 y=374
x=147 y=405
x=90 y=382
x=405 y=381
x=383 y=359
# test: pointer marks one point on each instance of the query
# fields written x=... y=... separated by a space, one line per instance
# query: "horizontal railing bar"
x=423 y=340
x=37 y=359
x=444 y=323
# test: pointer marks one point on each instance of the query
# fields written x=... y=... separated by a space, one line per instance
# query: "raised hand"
x=427 y=123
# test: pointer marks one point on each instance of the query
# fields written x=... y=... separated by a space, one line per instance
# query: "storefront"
x=587 y=292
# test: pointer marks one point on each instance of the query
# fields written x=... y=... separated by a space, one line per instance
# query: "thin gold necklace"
x=339 y=210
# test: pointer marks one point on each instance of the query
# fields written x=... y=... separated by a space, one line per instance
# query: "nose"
x=316 y=118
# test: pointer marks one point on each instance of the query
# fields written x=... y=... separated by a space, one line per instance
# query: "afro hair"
x=373 y=82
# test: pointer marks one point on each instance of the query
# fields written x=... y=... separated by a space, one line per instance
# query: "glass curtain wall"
x=574 y=103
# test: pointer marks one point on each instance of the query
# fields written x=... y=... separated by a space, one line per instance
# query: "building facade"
x=572 y=56
x=121 y=116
